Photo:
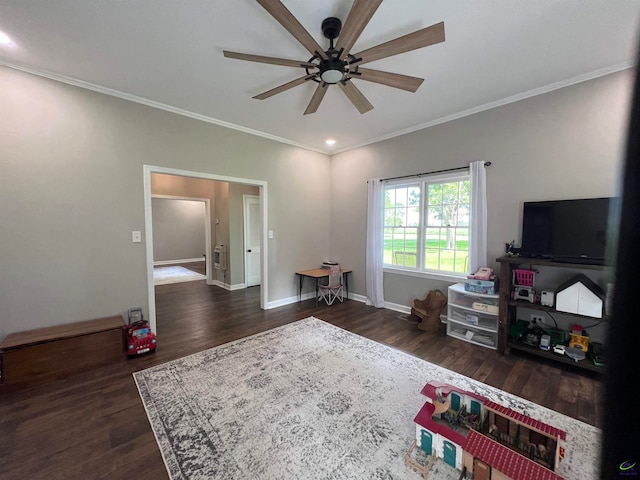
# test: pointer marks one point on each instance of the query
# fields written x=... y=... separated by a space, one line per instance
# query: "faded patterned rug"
x=312 y=401
x=176 y=274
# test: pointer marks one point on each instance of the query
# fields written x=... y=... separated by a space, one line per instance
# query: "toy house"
x=580 y=295
x=485 y=440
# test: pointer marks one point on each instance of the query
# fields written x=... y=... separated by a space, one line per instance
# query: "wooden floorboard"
x=93 y=424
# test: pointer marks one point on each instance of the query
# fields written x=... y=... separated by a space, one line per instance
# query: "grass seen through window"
x=444 y=216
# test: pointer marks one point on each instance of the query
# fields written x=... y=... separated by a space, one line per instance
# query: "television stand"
x=579 y=260
x=508 y=308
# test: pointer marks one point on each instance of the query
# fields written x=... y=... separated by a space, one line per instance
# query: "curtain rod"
x=486 y=164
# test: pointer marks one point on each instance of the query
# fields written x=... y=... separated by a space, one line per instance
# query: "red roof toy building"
x=473 y=434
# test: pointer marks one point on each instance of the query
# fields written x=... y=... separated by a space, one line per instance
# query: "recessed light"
x=4 y=39
x=330 y=142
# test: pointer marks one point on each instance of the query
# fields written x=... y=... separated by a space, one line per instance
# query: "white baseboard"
x=358 y=298
x=306 y=296
x=226 y=286
x=173 y=262
x=397 y=307
x=287 y=301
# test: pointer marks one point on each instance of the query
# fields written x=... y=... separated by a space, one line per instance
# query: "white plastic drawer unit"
x=472 y=317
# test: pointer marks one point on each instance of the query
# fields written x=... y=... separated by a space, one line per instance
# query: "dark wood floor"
x=93 y=425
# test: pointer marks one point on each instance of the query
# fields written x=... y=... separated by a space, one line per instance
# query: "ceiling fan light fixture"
x=332 y=76
x=332 y=70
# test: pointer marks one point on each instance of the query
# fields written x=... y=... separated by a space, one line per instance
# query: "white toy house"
x=485 y=439
x=580 y=295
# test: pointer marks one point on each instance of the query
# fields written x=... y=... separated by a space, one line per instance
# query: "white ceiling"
x=168 y=53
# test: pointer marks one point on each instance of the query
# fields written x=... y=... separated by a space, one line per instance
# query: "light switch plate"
x=136 y=236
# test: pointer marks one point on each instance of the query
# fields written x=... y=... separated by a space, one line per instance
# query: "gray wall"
x=568 y=143
x=178 y=229
x=71 y=186
x=226 y=207
x=71 y=192
x=179 y=186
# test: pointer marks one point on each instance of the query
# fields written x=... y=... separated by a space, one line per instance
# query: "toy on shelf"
x=471 y=433
x=579 y=338
x=560 y=349
x=523 y=282
x=582 y=296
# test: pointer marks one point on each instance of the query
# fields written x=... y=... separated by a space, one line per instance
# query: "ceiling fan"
x=337 y=65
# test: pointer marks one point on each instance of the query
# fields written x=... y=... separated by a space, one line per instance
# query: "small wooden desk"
x=317 y=274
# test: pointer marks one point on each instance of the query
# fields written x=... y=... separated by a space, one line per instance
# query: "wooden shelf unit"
x=523 y=347
x=508 y=308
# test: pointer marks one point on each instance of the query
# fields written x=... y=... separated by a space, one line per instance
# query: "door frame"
x=207 y=228
x=245 y=197
x=147 y=170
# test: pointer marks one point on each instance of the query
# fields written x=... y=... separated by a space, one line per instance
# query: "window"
x=426 y=224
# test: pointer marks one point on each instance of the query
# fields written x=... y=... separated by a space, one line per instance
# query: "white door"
x=251 y=240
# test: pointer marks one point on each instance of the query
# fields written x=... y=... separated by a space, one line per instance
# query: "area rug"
x=165 y=275
x=312 y=401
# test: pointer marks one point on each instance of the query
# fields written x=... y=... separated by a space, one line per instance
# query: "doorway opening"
x=181 y=233
x=261 y=212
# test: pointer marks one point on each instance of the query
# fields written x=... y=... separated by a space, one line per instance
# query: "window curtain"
x=478 y=234
x=374 y=246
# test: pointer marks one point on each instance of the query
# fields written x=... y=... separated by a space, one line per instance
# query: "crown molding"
x=161 y=106
x=448 y=118
x=499 y=103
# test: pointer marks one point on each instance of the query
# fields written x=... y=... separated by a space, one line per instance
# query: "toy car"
x=560 y=349
x=139 y=337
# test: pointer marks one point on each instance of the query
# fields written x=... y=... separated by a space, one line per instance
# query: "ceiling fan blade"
x=284 y=87
x=318 y=95
x=358 y=18
x=285 y=18
x=270 y=60
x=412 y=41
x=357 y=98
x=396 y=80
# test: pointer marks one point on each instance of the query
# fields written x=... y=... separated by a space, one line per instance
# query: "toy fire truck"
x=138 y=335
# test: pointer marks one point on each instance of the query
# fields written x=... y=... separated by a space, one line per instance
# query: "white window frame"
x=419 y=270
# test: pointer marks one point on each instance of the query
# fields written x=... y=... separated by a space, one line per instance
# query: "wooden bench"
x=37 y=356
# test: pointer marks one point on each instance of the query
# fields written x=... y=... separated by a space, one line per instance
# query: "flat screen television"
x=566 y=230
